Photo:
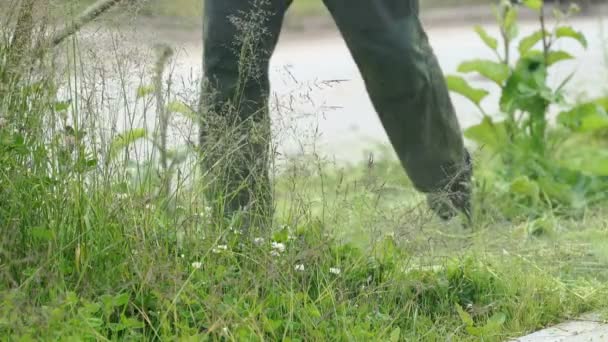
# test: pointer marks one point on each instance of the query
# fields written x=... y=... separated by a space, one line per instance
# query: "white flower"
x=219 y=249
x=335 y=270
x=235 y=231
x=279 y=247
x=258 y=241
x=183 y=256
x=197 y=265
x=122 y=195
x=299 y=268
x=275 y=253
x=225 y=330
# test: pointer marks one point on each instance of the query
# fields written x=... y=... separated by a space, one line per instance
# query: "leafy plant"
x=522 y=135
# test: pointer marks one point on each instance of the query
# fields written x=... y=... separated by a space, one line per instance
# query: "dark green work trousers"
x=401 y=74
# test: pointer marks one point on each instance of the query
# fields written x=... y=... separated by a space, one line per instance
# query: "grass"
x=93 y=248
x=100 y=267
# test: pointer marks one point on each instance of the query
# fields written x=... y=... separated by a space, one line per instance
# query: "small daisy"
x=197 y=264
x=279 y=247
x=219 y=249
x=258 y=241
x=299 y=268
x=335 y=270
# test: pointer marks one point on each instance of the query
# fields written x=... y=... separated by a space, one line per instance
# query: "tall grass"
x=106 y=235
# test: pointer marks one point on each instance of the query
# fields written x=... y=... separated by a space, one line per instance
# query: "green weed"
x=540 y=165
x=105 y=234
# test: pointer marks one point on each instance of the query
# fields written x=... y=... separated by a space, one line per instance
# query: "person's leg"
x=407 y=88
x=239 y=37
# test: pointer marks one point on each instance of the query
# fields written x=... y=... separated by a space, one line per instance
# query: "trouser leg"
x=406 y=86
x=239 y=38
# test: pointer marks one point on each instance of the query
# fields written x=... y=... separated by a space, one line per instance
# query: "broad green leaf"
x=125 y=139
x=526 y=88
x=281 y=235
x=93 y=322
x=313 y=311
x=493 y=324
x=490 y=41
x=497 y=72
x=497 y=319
x=42 y=233
x=132 y=323
x=91 y=308
x=558 y=191
x=459 y=85
x=603 y=102
x=121 y=300
x=488 y=133
x=62 y=106
x=533 y=4
x=569 y=32
x=526 y=187
x=558 y=56
x=587 y=117
x=510 y=23
x=529 y=41
x=591 y=159
x=596 y=122
x=465 y=316
x=270 y=326
x=396 y=335
x=596 y=166
x=144 y=91
x=181 y=108
x=389 y=250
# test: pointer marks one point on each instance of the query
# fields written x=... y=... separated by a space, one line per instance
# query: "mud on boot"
x=455 y=197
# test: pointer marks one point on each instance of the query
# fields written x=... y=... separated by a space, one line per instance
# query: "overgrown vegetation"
x=105 y=234
x=542 y=166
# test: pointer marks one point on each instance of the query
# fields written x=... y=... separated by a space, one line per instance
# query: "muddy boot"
x=455 y=197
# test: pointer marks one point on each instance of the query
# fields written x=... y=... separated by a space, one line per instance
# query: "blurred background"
x=313 y=65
